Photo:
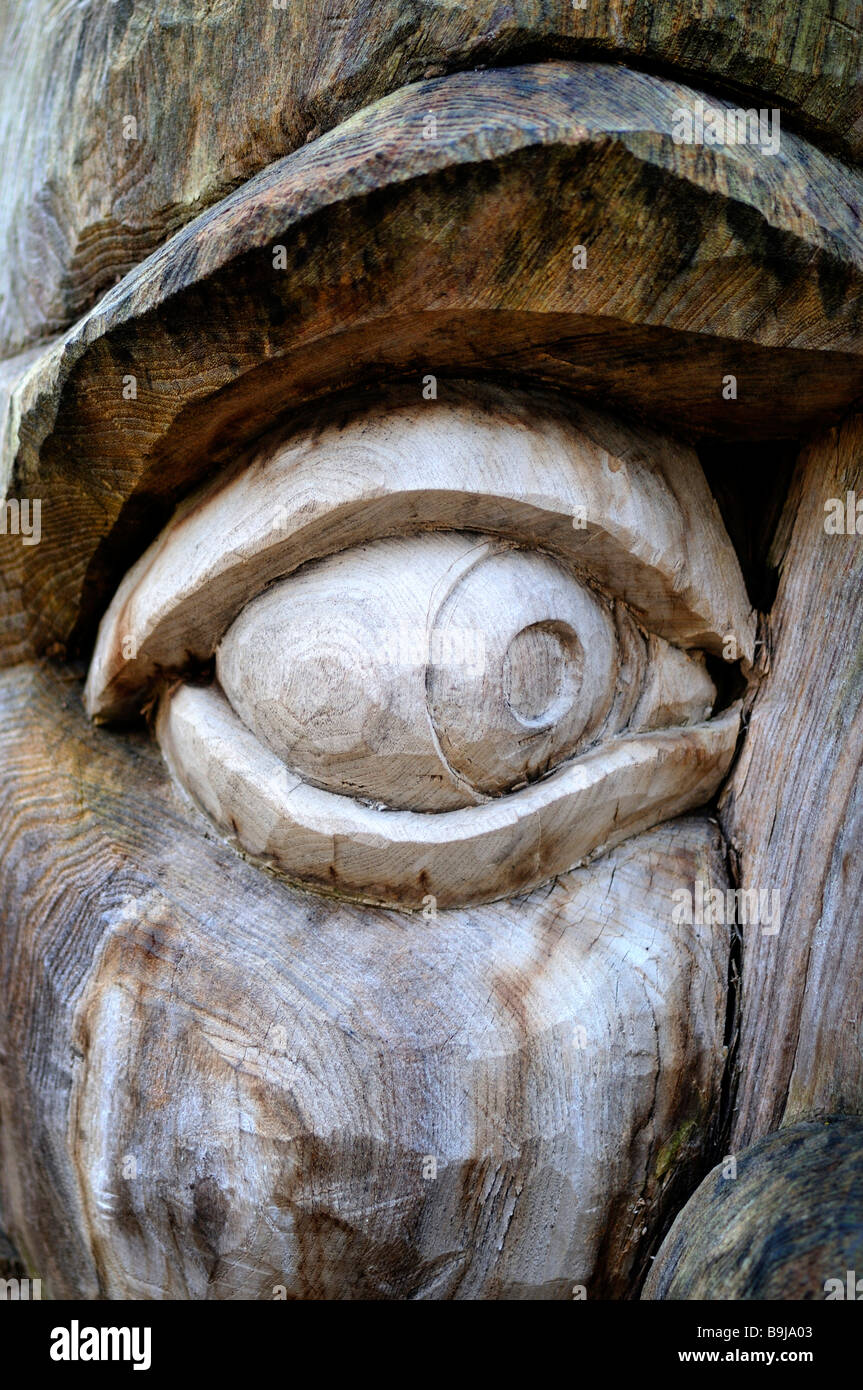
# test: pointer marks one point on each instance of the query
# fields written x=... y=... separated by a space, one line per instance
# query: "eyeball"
x=426 y=673
x=548 y=675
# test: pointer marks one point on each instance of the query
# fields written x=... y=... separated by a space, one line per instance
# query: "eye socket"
x=434 y=672
x=462 y=647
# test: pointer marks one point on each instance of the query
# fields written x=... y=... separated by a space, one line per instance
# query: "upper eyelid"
x=654 y=536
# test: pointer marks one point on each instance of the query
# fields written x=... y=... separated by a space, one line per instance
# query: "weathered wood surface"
x=435 y=673
x=213 y=1085
x=794 y=808
x=219 y=91
x=699 y=261
x=780 y=1222
x=510 y=844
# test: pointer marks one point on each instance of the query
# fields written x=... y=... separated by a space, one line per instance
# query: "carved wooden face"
x=360 y=872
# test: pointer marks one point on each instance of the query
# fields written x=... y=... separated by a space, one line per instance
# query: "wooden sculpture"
x=430 y=656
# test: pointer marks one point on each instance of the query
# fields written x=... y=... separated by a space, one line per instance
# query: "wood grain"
x=782 y=1223
x=215 y=1087
x=212 y=1084
x=394 y=671
x=218 y=91
x=793 y=810
x=430 y=257
x=507 y=845
x=625 y=508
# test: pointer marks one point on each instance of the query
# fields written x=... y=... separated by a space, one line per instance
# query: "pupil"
x=542 y=671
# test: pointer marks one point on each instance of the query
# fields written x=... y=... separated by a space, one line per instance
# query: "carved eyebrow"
x=633 y=512
x=715 y=260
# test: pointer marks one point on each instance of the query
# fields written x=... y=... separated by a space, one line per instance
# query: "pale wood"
x=374 y=674
x=626 y=506
x=402 y=858
x=677 y=688
x=317 y=727
x=278 y=1068
x=213 y=1083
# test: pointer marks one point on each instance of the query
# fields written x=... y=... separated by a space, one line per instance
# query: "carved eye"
x=454 y=653
x=436 y=672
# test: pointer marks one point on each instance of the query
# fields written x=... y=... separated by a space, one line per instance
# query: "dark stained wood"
x=218 y=91
x=782 y=1228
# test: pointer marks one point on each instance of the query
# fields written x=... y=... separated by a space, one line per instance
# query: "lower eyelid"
x=459 y=857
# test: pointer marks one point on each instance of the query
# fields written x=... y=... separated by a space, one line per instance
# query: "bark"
x=778 y=1221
